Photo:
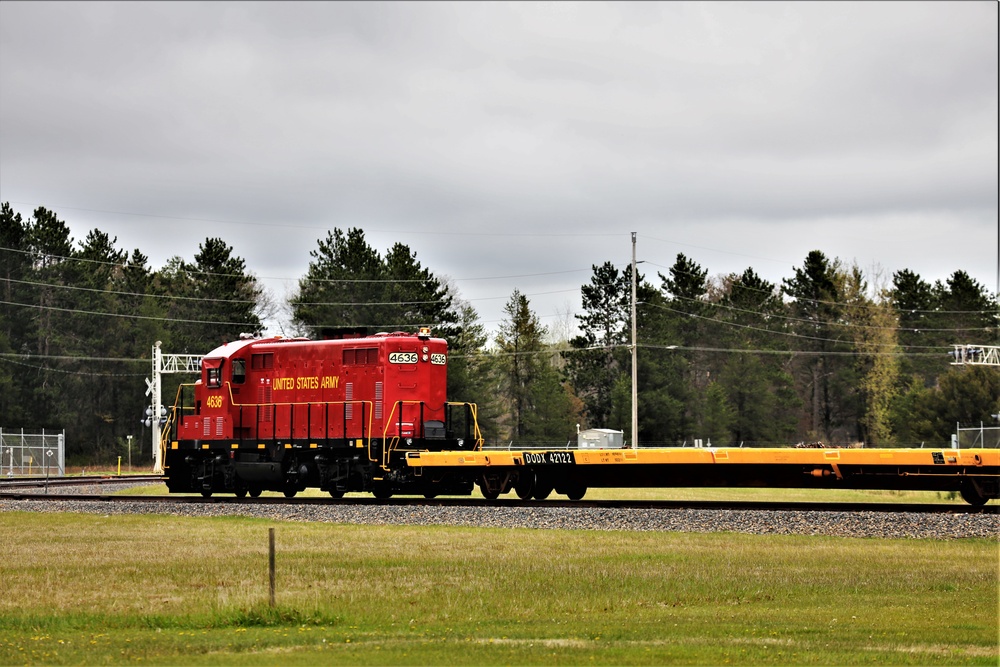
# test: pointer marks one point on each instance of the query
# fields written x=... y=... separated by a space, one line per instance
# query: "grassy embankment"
x=157 y=589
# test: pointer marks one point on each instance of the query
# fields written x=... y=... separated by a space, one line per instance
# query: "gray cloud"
x=737 y=133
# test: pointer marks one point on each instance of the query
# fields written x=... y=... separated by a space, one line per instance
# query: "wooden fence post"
x=270 y=561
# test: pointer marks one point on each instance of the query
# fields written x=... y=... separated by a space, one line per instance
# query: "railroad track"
x=893 y=508
x=84 y=480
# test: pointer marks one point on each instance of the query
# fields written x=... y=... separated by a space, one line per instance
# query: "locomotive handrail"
x=171 y=422
x=474 y=411
x=390 y=444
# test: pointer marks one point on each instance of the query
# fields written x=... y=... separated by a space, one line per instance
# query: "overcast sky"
x=513 y=145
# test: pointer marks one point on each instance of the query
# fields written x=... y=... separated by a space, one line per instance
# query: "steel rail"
x=85 y=480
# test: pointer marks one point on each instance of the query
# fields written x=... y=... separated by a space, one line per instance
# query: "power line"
x=717 y=304
x=782 y=333
x=125 y=315
x=191 y=270
x=244 y=301
x=812 y=353
x=119 y=293
x=727 y=252
x=8 y=359
x=57 y=357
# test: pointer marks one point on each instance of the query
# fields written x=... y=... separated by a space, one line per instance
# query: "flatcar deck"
x=973 y=472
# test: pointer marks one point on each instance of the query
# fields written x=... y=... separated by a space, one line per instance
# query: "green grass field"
x=170 y=590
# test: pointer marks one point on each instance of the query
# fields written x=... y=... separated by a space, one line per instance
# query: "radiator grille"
x=264 y=397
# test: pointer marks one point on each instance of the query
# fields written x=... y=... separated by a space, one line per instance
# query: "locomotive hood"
x=230 y=349
x=227 y=350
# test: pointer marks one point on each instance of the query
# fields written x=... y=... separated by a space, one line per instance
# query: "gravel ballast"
x=869 y=524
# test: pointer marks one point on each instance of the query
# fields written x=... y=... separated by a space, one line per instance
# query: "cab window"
x=239 y=371
x=214 y=378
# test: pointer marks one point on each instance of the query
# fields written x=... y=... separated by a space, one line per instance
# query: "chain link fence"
x=32 y=453
x=976 y=437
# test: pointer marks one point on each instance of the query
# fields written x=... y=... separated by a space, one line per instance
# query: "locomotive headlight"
x=425 y=350
x=425 y=357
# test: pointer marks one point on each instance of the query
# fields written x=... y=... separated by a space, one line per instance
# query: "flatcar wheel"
x=542 y=491
x=488 y=493
x=240 y=493
x=525 y=486
x=382 y=491
x=290 y=493
x=255 y=491
x=576 y=492
x=971 y=495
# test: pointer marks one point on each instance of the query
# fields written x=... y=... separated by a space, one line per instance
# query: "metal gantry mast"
x=976 y=355
x=165 y=363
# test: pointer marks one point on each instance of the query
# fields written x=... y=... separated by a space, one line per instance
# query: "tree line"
x=831 y=354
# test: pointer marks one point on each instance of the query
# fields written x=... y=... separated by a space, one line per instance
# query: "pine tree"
x=349 y=285
x=213 y=300
x=815 y=293
x=539 y=408
x=915 y=302
x=600 y=354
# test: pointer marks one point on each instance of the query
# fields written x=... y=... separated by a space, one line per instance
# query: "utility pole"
x=635 y=384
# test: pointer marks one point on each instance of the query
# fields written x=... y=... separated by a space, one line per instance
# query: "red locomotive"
x=283 y=414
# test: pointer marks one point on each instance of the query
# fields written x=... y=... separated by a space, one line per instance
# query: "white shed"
x=600 y=438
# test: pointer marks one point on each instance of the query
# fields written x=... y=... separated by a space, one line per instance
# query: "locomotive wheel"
x=290 y=493
x=336 y=493
x=206 y=493
x=255 y=491
x=542 y=490
x=240 y=493
x=525 y=486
